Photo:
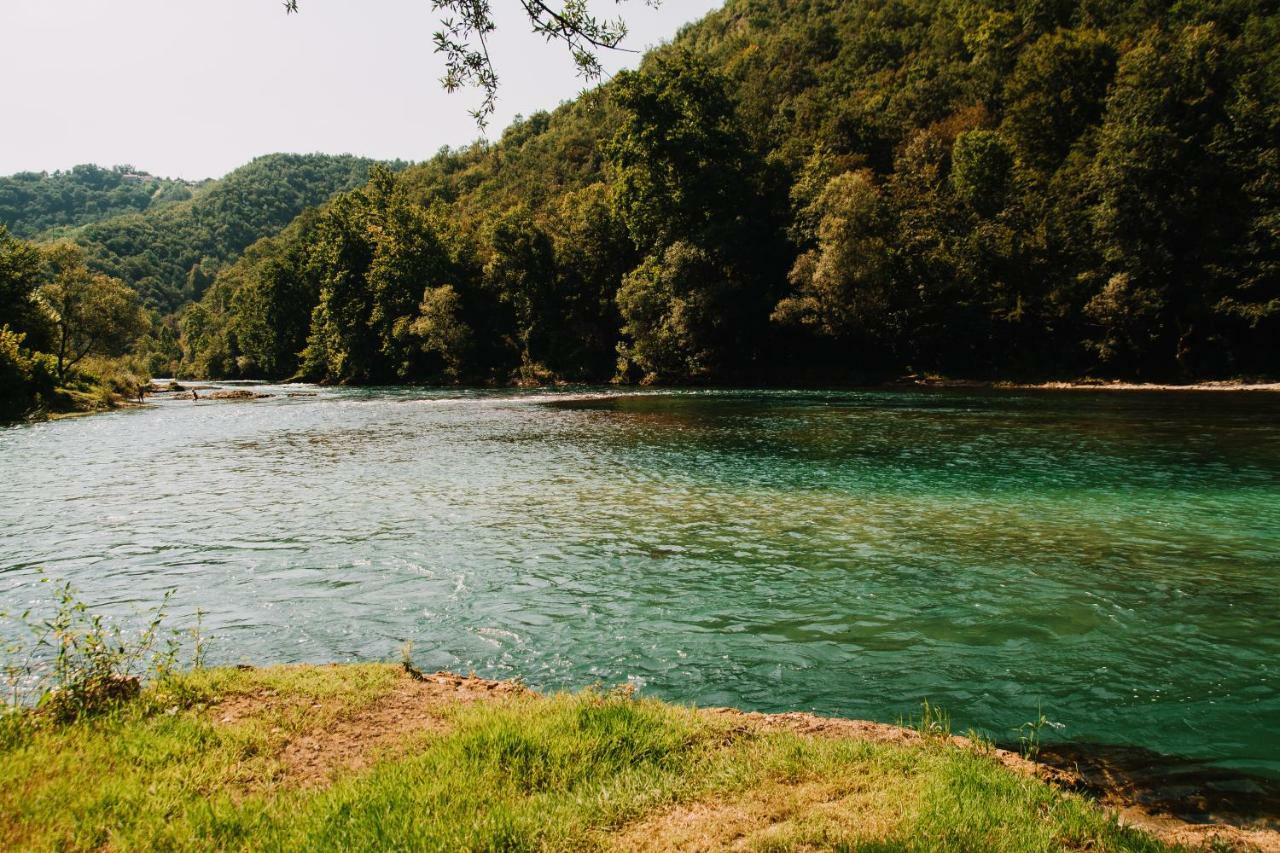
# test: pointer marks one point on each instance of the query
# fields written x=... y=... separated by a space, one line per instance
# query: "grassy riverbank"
x=365 y=756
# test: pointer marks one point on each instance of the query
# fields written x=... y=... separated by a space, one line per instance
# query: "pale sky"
x=195 y=88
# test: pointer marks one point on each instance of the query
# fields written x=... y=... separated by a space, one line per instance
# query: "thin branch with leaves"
x=465 y=27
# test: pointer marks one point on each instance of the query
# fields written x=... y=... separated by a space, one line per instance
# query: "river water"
x=1112 y=559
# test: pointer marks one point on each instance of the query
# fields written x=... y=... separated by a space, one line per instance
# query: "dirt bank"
x=420 y=706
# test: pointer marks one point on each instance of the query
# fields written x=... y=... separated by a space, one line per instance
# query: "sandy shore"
x=1225 y=385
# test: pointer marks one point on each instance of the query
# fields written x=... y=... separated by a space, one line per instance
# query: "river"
x=1111 y=559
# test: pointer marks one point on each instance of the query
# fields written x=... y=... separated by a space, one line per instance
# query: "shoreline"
x=1211 y=386
x=316 y=732
x=1108 y=791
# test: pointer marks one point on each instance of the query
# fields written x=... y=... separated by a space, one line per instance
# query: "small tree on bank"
x=91 y=313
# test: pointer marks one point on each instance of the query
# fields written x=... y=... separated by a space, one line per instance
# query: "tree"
x=1166 y=201
x=442 y=332
x=844 y=286
x=25 y=377
x=1056 y=92
x=682 y=166
x=593 y=252
x=691 y=195
x=412 y=254
x=340 y=346
x=521 y=273
x=20 y=276
x=91 y=313
x=271 y=314
x=981 y=170
x=674 y=307
x=1013 y=188
x=463 y=39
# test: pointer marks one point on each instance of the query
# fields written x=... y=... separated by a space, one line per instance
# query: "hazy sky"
x=194 y=88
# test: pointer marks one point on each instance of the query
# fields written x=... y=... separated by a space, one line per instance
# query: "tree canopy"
x=32 y=203
x=816 y=190
x=54 y=314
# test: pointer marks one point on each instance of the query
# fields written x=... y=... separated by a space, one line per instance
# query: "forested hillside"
x=36 y=202
x=813 y=189
x=170 y=253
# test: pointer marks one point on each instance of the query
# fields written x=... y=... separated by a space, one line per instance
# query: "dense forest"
x=818 y=190
x=86 y=313
x=70 y=338
x=790 y=191
x=170 y=254
x=36 y=202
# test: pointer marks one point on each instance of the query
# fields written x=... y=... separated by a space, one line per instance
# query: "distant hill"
x=170 y=252
x=35 y=202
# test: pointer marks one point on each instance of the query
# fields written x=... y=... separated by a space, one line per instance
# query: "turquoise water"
x=1111 y=558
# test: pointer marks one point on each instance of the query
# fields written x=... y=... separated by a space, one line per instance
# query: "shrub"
x=71 y=662
x=26 y=378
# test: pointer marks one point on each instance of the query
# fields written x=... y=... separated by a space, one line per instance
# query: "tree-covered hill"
x=36 y=202
x=819 y=189
x=170 y=253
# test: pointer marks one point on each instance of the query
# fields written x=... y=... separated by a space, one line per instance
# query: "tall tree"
x=1166 y=201
x=20 y=276
x=91 y=313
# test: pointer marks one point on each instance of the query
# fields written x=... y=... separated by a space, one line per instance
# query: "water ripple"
x=1114 y=559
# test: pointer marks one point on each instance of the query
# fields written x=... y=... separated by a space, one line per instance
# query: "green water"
x=1113 y=559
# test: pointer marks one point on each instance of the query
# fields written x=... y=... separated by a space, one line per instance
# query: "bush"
x=26 y=378
x=71 y=662
x=116 y=378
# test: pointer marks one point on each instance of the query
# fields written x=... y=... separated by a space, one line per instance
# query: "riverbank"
x=372 y=756
x=1223 y=385
x=97 y=385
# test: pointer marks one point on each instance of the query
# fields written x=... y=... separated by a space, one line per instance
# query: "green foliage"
x=90 y=313
x=441 y=332
x=682 y=166
x=671 y=307
x=1056 y=92
x=843 y=286
x=71 y=339
x=21 y=273
x=373 y=257
x=170 y=254
x=36 y=202
x=1030 y=734
x=981 y=170
x=27 y=379
x=68 y=661
x=933 y=722
x=1029 y=188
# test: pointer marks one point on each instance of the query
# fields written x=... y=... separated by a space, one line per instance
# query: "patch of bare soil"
x=808 y=815
x=352 y=741
x=1168 y=827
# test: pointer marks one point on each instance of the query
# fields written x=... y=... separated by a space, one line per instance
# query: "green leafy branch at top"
x=465 y=26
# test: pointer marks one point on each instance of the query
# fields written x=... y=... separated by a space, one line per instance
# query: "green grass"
x=521 y=772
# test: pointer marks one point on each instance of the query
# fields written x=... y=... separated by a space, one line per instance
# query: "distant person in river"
x=194 y=395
